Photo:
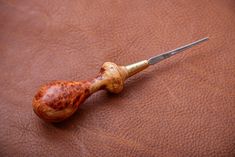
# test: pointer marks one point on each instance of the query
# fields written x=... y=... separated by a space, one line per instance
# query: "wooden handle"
x=58 y=100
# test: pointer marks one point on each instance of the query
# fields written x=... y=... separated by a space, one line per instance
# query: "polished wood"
x=58 y=100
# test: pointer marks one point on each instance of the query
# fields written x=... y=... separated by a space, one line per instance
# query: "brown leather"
x=184 y=106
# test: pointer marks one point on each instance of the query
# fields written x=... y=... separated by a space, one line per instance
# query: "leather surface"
x=184 y=106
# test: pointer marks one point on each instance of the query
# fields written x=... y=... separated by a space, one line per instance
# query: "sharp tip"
x=200 y=41
x=204 y=39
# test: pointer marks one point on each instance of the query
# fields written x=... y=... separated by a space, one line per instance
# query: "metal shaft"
x=158 y=58
x=135 y=68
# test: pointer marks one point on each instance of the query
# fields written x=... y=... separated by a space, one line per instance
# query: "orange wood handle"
x=58 y=100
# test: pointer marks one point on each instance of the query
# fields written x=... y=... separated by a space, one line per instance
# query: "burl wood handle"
x=58 y=100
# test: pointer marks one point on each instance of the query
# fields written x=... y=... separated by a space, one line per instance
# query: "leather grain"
x=184 y=106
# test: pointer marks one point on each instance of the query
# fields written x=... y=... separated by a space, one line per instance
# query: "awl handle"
x=58 y=100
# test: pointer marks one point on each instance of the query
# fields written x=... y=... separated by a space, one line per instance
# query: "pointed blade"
x=158 y=58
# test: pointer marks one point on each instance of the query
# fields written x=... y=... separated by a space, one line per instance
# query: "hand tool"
x=58 y=100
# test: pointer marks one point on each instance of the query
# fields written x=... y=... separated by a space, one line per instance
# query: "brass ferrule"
x=134 y=68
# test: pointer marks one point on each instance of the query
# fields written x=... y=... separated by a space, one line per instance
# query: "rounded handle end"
x=58 y=100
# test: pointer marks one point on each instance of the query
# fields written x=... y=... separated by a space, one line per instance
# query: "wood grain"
x=58 y=100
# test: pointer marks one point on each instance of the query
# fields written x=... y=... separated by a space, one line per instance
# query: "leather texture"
x=184 y=106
